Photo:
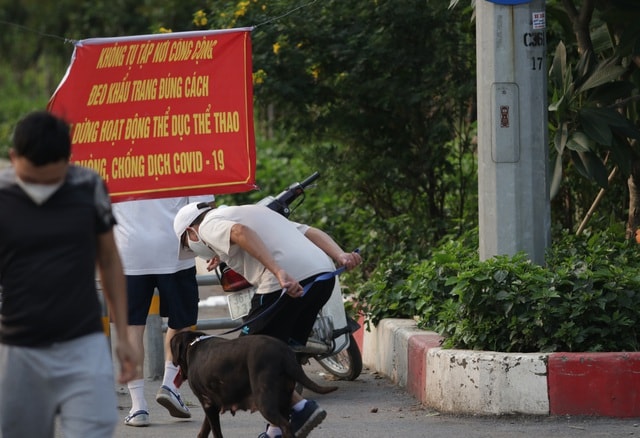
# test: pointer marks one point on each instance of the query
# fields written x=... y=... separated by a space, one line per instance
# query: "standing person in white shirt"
x=148 y=246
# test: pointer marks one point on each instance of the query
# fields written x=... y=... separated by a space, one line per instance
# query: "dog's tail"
x=295 y=371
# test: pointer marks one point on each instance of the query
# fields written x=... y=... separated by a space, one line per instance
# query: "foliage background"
x=379 y=97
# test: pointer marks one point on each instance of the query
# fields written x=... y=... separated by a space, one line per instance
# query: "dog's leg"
x=204 y=429
x=274 y=404
x=211 y=423
x=282 y=422
x=285 y=428
x=215 y=425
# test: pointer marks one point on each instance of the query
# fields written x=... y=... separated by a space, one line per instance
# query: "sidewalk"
x=470 y=394
x=373 y=407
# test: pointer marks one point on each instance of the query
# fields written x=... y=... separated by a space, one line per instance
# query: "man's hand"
x=130 y=363
x=213 y=263
x=349 y=260
x=289 y=283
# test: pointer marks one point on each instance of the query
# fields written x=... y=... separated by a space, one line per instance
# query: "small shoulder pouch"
x=230 y=280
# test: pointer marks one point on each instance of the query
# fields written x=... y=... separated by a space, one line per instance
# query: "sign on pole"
x=162 y=115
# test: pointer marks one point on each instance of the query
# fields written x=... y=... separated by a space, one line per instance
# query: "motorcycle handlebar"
x=283 y=201
x=305 y=183
x=296 y=189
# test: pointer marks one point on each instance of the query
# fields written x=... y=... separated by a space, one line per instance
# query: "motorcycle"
x=331 y=342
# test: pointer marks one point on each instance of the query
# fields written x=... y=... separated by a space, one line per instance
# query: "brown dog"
x=253 y=372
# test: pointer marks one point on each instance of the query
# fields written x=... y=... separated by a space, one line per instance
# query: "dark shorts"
x=178 y=297
x=291 y=320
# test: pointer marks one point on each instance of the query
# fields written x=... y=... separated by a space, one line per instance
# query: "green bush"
x=585 y=299
x=383 y=295
x=403 y=286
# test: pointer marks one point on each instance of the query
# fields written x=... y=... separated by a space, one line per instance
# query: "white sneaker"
x=172 y=402
x=137 y=419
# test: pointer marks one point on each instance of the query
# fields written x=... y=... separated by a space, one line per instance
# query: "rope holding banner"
x=285 y=14
x=73 y=42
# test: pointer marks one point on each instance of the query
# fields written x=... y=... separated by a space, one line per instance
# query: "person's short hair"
x=42 y=138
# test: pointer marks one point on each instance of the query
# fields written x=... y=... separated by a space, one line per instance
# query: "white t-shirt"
x=293 y=251
x=145 y=237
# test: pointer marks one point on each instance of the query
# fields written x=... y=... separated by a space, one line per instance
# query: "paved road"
x=370 y=407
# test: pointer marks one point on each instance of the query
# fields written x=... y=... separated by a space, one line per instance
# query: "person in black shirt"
x=55 y=229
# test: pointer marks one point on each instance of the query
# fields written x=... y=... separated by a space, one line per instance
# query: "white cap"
x=184 y=218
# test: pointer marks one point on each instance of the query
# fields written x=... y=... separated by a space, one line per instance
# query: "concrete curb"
x=603 y=384
x=493 y=383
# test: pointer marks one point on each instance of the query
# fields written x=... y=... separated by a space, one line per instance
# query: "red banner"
x=162 y=115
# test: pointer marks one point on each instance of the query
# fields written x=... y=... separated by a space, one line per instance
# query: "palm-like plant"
x=593 y=109
x=588 y=120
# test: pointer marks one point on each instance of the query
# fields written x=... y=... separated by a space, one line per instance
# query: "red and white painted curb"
x=493 y=383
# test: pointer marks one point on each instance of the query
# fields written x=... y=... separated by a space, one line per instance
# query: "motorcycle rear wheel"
x=345 y=365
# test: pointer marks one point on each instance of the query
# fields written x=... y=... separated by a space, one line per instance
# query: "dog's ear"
x=178 y=345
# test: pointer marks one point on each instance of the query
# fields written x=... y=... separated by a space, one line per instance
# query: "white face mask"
x=39 y=192
x=200 y=248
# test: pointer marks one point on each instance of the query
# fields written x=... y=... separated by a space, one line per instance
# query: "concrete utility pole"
x=513 y=182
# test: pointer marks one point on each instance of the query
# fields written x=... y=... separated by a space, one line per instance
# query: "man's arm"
x=323 y=241
x=114 y=288
x=247 y=239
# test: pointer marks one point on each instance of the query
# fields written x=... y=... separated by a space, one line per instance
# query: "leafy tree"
x=37 y=42
x=593 y=120
x=594 y=80
x=378 y=94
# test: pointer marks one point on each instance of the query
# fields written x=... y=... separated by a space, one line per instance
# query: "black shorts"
x=291 y=319
x=178 y=297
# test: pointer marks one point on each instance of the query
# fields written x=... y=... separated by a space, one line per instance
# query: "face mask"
x=39 y=192
x=200 y=248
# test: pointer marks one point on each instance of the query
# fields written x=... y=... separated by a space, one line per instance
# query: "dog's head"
x=180 y=343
